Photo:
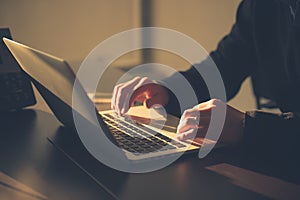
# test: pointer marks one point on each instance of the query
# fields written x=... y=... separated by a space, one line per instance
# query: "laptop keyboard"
x=136 y=138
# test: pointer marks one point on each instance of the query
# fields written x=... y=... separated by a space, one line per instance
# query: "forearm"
x=234 y=58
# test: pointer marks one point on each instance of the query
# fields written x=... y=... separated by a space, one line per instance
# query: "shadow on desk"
x=16 y=119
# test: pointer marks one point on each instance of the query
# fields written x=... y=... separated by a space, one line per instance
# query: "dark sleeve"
x=234 y=57
x=272 y=136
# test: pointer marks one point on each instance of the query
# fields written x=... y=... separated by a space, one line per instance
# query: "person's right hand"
x=141 y=90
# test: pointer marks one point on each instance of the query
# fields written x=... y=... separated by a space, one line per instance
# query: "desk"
x=29 y=158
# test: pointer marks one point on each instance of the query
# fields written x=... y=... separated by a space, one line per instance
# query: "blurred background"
x=71 y=29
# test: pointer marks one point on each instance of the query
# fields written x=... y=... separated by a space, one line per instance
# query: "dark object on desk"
x=15 y=88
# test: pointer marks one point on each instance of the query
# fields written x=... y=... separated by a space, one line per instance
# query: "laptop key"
x=136 y=138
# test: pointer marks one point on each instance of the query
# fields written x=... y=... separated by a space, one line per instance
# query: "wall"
x=67 y=29
x=206 y=21
x=71 y=29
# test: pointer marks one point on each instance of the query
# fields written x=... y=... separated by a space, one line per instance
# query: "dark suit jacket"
x=264 y=42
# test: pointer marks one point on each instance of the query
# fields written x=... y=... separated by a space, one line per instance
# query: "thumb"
x=156 y=99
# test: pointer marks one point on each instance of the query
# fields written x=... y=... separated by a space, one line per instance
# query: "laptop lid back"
x=54 y=79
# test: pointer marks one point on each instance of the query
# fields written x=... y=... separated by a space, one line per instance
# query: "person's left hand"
x=190 y=126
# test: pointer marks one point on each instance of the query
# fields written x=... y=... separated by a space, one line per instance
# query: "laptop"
x=54 y=79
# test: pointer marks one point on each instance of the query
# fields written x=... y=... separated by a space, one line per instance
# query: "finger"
x=190 y=113
x=186 y=124
x=143 y=81
x=187 y=135
x=139 y=91
x=190 y=123
x=204 y=109
x=211 y=102
x=160 y=97
x=204 y=105
x=123 y=92
x=124 y=95
x=132 y=99
x=115 y=93
x=195 y=134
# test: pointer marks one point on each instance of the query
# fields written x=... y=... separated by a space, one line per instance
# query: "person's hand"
x=139 y=89
x=191 y=127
